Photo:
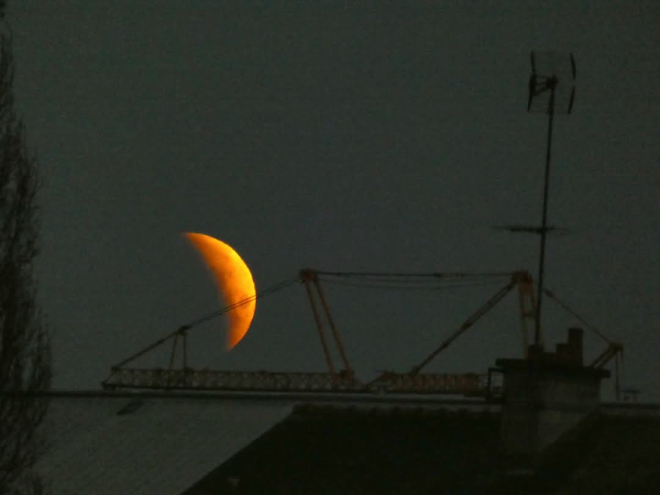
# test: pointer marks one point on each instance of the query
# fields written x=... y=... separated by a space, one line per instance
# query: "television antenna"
x=551 y=91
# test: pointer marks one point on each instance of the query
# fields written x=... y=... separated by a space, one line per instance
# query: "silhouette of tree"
x=25 y=364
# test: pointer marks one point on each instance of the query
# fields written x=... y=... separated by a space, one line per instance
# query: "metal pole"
x=552 y=83
x=526 y=306
x=173 y=354
x=185 y=350
x=184 y=336
x=335 y=332
x=319 y=326
x=617 y=384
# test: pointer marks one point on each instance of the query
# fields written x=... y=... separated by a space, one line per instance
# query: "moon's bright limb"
x=234 y=282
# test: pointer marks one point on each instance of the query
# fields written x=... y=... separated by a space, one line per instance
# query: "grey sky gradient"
x=379 y=136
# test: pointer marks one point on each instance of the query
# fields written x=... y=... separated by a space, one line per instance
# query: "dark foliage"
x=24 y=344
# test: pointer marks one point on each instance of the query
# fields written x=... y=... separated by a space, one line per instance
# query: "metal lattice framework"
x=340 y=377
x=466 y=384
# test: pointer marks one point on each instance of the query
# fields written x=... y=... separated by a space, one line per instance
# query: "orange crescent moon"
x=234 y=281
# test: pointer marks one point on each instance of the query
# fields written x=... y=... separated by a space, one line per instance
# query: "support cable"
x=391 y=285
x=435 y=275
x=476 y=316
x=266 y=292
x=566 y=308
x=183 y=329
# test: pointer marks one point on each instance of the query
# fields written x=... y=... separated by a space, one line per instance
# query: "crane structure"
x=340 y=376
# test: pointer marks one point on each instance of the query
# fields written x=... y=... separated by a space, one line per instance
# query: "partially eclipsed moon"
x=234 y=282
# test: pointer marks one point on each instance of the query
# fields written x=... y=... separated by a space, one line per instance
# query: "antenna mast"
x=551 y=90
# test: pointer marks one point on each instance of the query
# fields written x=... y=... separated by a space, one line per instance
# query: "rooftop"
x=203 y=443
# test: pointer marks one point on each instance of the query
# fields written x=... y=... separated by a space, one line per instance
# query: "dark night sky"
x=388 y=137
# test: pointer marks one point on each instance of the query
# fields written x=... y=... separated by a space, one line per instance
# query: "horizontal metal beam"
x=189 y=379
x=465 y=384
